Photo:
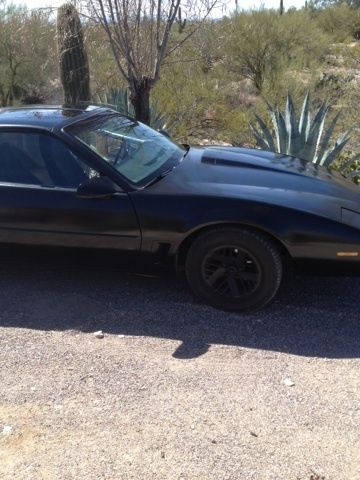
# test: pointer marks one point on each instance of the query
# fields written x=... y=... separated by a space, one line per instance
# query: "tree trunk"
x=281 y=7
x=140 y=99
x=2 y=97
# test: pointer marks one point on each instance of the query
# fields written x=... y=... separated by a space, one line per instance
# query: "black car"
x=229 y=216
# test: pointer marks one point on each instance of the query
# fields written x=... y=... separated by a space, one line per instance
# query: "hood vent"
x=238 y=163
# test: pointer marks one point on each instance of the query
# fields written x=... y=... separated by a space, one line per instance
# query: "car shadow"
x=311 y=316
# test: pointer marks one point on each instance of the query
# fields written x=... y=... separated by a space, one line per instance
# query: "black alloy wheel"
x=231 y=271
x=234 y=269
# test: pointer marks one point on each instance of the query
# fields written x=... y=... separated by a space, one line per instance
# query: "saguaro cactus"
x=73 y=60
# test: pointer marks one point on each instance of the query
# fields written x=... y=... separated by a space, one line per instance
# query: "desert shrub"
x=25 y=35
x=261 y=45
x=341 y=22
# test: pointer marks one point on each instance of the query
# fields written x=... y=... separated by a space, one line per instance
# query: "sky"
x=242 y=3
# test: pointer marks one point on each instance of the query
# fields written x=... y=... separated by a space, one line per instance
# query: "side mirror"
x=97 y=187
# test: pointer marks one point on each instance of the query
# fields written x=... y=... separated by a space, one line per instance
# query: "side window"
x=39 y=159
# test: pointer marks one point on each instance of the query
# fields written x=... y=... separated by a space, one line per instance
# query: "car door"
x=39 y=205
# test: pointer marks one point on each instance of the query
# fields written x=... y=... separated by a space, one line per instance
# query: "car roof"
x=45 y=116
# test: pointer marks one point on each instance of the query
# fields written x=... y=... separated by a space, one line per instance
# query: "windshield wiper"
x=162 y=175
x=166 y=172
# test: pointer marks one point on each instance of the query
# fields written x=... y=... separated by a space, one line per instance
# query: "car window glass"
x=136 y=151
x=39 y=159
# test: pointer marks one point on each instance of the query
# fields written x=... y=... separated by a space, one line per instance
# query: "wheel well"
x=186 y=243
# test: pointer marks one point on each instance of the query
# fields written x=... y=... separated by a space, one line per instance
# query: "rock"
x=99 y=334
x=7 y=430
x=288 y=382
x=253 y=434
x=162 y=454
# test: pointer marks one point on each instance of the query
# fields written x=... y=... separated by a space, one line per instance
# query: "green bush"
x=341 y=22
x=260 y=45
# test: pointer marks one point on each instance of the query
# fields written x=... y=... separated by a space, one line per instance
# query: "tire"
x=234 y=269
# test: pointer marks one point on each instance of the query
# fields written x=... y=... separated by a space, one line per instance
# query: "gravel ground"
x=175 y=389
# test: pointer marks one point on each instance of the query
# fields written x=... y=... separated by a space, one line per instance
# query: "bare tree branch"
x=140 y=33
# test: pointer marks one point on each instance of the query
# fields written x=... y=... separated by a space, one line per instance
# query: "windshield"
x=138 y=152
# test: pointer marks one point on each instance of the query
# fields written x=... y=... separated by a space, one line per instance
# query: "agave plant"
x=119 y=99
x=305 y=137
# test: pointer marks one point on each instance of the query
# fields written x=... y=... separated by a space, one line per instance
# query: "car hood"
x=272 y=170
x=261 y=176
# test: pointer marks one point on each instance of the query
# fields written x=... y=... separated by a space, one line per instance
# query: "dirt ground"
x=175 y=389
